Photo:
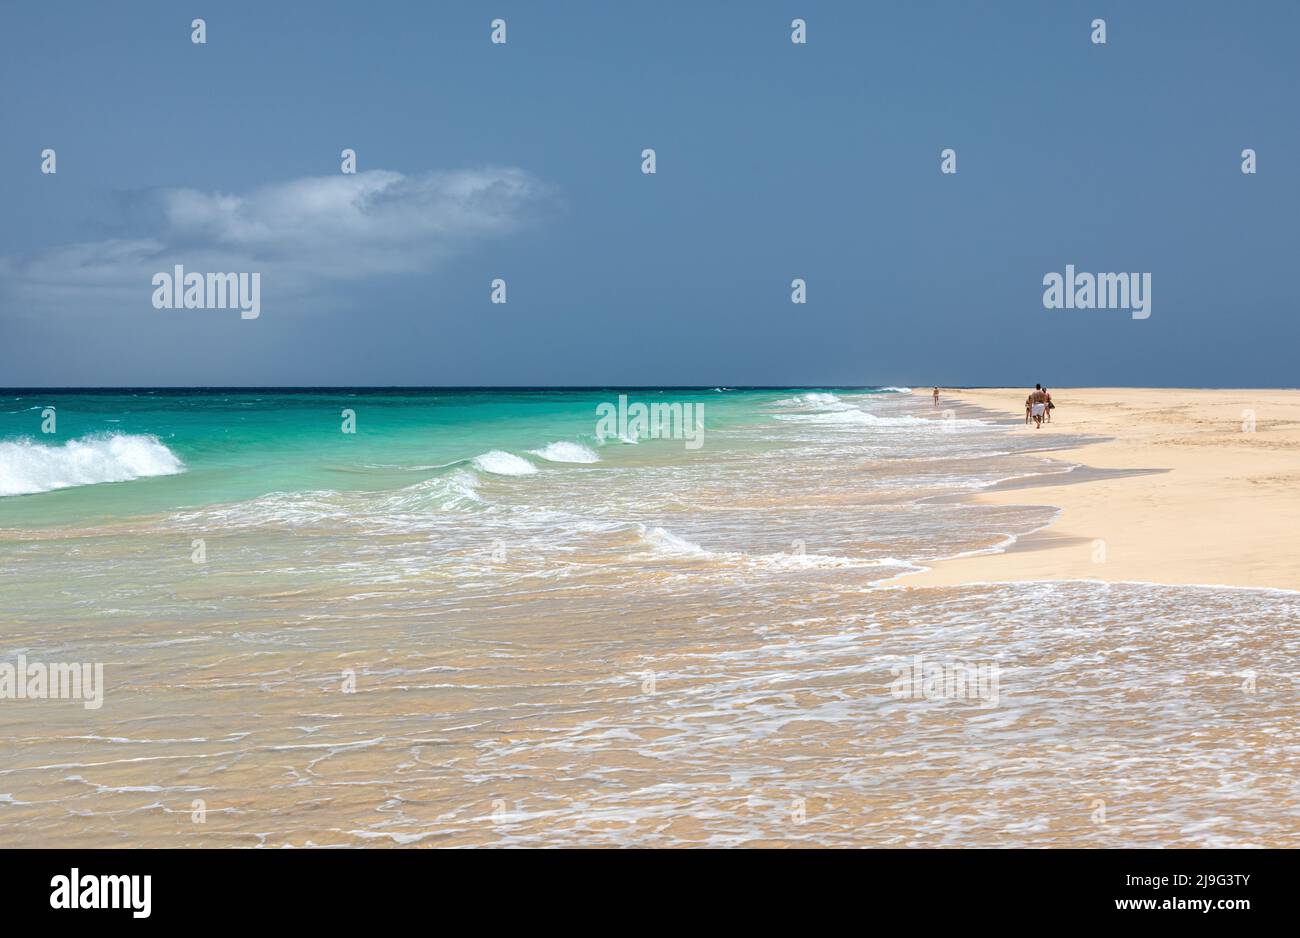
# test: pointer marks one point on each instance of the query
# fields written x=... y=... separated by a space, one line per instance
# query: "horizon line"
x=452 y=387
x=59 y=389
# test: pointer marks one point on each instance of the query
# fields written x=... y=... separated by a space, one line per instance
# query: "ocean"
x=351 y=617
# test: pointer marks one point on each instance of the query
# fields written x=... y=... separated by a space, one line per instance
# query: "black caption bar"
x=335 y=888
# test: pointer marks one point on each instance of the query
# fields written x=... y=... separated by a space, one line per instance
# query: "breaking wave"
x=566 y=452
x=499 y=462
x=28 y=467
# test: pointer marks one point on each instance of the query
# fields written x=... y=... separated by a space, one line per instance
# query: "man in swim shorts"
x=1037 y=405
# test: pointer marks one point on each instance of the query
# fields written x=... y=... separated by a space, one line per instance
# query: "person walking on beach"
x=1038 y=405
x=936 y=397
x=1047 y=411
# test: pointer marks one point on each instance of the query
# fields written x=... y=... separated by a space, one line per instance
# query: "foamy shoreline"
x=1219 y=509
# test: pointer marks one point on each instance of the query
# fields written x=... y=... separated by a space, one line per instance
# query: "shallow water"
x=619 y=644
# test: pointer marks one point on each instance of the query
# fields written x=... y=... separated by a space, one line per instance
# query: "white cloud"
x=303 y=235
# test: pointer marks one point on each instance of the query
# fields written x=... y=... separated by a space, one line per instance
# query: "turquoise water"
x=469 y=467
x=237 y=445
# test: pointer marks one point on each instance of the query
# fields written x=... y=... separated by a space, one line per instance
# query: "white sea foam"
x=784 y=561
x=853 y=416
x=289 y=509
x=562 y=451
x=27 y=467
x=628 y=440
x=666 y=543
x=819 y=400
x=819 y=407
x=499 y=462
x=832 y=409
x=456 y=490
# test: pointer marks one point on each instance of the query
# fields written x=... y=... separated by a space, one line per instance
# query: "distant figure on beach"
x=1047 y=399
x=1029 y=403
x=1037 y=405
x=936 y=397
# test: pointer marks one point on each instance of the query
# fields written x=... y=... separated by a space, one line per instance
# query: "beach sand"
x=1182 y=491
x=665 y=647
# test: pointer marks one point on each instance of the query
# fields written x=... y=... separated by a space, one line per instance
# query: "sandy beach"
x=1188 y=487
x=476 y=623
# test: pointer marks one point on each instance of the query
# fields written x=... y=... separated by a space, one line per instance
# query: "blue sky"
x=775 y=161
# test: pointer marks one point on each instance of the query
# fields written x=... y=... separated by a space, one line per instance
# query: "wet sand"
x=660 y=649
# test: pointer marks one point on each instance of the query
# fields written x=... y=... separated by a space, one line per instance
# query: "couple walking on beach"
x=1039 y=406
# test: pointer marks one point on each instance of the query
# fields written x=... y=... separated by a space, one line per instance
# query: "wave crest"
x=562 y=451
x=820 y=400
x=854 y=417
x=28 y=467
x=499 y=462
